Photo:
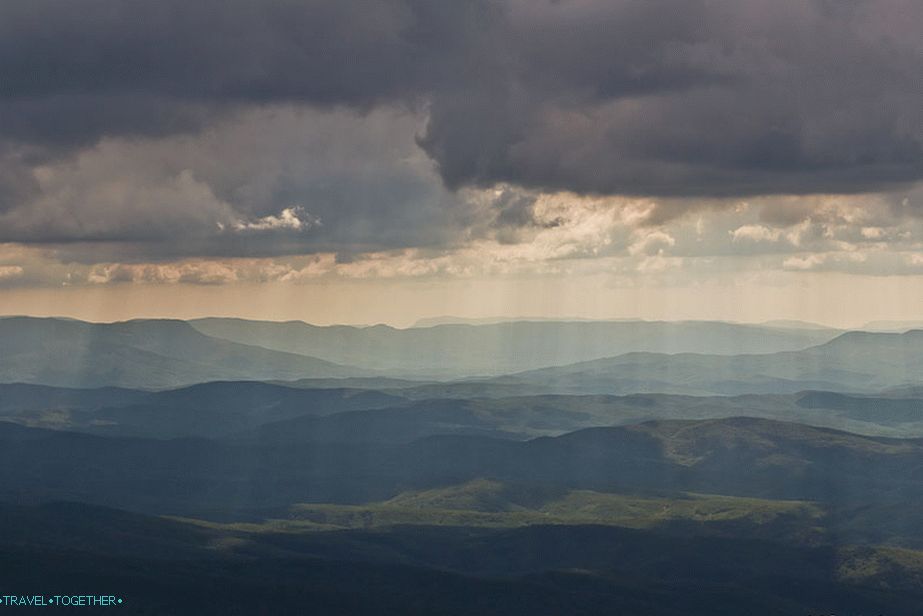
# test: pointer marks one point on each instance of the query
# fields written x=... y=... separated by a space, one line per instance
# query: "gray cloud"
x=152 y=122
x=694 y=99
x=354 y=183
x=75 y=71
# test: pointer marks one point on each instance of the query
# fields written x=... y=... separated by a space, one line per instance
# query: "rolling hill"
x=140 y=354
x=459 y=350
x=206 y=409
x=851 y=362
x=524 y=417
x=184 y=567
x=285 y=414
x=736 y=456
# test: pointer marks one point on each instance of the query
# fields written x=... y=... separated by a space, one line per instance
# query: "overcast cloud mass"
x=283 y=140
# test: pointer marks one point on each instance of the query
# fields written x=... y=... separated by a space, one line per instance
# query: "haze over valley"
x=629 y=450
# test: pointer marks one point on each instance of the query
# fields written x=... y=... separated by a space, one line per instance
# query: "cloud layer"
x=653 y=97
x=139 y=136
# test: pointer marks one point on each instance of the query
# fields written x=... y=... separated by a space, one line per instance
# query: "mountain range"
x=851 y=362
x=619 y=357
x=139 y=354
x=237 y=467
x=456 y=350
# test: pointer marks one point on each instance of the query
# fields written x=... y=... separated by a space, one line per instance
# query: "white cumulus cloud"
x=289 y=219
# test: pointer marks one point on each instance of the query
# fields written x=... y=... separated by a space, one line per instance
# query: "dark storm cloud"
x=695 y=98
x=148 y=67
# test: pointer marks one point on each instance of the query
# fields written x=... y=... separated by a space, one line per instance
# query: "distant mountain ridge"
x=851 y=362
x=517 y=357
x=459 y=350
x=454 y=320
x=140 y=354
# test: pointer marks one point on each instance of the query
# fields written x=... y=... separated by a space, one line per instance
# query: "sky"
x=366 y=161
